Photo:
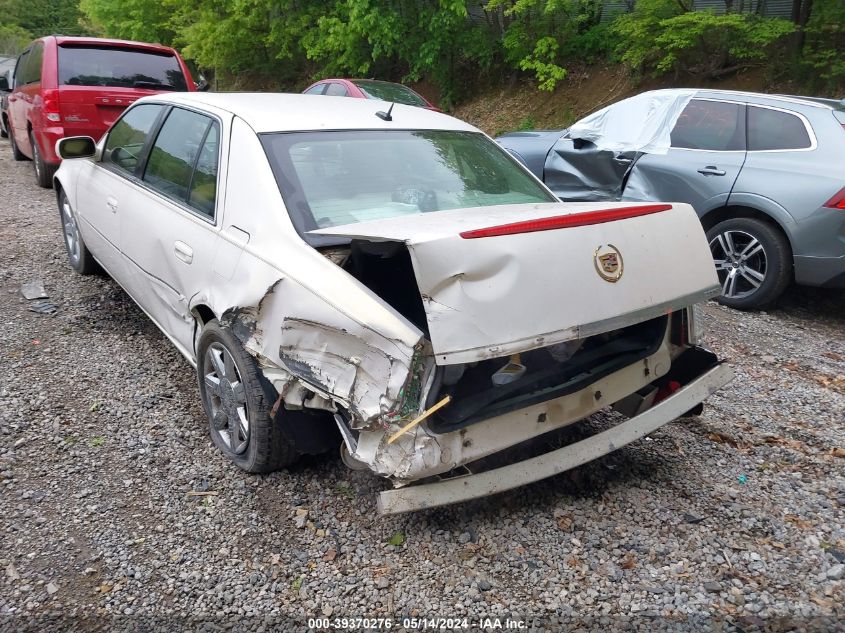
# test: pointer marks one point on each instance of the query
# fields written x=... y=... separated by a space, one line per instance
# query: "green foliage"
x=140 y=20
x=823 y=62
x=397 y=539
x=542 y=34
x=661 y=36
x=273 y=44
x=13 y=39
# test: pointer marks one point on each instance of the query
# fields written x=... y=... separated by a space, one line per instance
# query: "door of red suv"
x=25 y=99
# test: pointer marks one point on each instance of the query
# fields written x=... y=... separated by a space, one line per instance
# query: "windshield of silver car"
x=344 y=177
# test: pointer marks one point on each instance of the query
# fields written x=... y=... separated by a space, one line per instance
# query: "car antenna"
x=385 y=116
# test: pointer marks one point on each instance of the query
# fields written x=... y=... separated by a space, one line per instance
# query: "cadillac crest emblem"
x=608 y=261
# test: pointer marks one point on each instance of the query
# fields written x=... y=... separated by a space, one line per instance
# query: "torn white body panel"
x=500 y=295
x=642 y=123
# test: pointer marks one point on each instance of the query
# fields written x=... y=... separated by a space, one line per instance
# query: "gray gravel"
x=734 y=518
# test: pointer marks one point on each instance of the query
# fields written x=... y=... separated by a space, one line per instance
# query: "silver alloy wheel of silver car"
x=227 y=400
x=71 y=233
x=741 y=262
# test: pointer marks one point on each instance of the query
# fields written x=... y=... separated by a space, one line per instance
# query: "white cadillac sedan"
x=387 y=279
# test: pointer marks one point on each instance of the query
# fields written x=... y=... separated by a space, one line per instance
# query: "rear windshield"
x=334 y=178
x=120 y=67
x=390 y=92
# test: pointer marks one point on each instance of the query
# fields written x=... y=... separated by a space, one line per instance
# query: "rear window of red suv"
x=119 y=67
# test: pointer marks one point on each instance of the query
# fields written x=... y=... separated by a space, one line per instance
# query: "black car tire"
x=777 y=262
x=44 y=172
x=78 y=255
x=268 y=446
x=16 y=153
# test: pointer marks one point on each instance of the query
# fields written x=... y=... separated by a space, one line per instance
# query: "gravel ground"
x=730 y=521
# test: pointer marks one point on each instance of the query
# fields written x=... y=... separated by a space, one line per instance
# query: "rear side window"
x=715 y=126
x=33 y=64
x=127 y=137
x=336 y=90
x=119 y=67
x=20 y=69
x=775 y=130
x=187 y=140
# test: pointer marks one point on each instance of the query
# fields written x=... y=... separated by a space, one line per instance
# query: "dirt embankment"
x=520 y=105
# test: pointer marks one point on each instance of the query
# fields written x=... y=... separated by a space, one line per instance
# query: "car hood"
x=500 y=280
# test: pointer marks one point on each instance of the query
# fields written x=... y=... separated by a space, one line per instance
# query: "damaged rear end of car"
x=532 y=319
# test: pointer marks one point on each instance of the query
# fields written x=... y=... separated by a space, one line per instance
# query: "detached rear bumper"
x=464 y=488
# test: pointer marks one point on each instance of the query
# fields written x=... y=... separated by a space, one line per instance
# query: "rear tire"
x=237 y=401
x=753 y=261
x=79 y=257
x=43 y=171
x=16 y=153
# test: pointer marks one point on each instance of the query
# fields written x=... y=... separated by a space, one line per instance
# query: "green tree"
x=665 y=36
x=142 y=20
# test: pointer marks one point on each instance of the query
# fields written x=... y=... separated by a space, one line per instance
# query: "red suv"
x=78 y=86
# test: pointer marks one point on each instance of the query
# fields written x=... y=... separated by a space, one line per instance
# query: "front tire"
x=753 y=261
x=79 y=257
x=237 y=402
x=44 y=172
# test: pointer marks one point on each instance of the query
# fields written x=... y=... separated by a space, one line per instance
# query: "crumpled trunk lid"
x=554 y=272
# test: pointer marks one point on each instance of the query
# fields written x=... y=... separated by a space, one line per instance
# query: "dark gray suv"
x=766 y=174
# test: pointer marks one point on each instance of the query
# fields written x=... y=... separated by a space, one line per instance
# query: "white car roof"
x=282 y=112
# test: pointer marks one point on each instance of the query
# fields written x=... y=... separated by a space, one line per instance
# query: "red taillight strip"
x=567 y=221
x=837 y=201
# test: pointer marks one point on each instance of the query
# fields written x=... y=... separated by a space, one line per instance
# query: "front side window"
x=715 y=126
x=127 y=137
x=119 y=67
x=316 y=90
x=182 y=144
x=775 y=130
x=334 y=178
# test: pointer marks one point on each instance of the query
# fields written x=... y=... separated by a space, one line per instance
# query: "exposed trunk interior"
x=550 y=372
x=385 y=268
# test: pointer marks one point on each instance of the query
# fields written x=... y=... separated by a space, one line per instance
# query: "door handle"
x=712 y=170
x=183 y=251
x=111 y=203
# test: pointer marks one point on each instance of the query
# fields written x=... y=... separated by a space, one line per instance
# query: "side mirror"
x=76 y=147
x=4 y=84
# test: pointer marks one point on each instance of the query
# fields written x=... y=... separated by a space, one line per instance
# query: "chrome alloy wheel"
x=226 y=398
x=741 y=263
x=71 y=233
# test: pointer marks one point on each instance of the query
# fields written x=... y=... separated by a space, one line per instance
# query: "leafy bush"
x=660 y=36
